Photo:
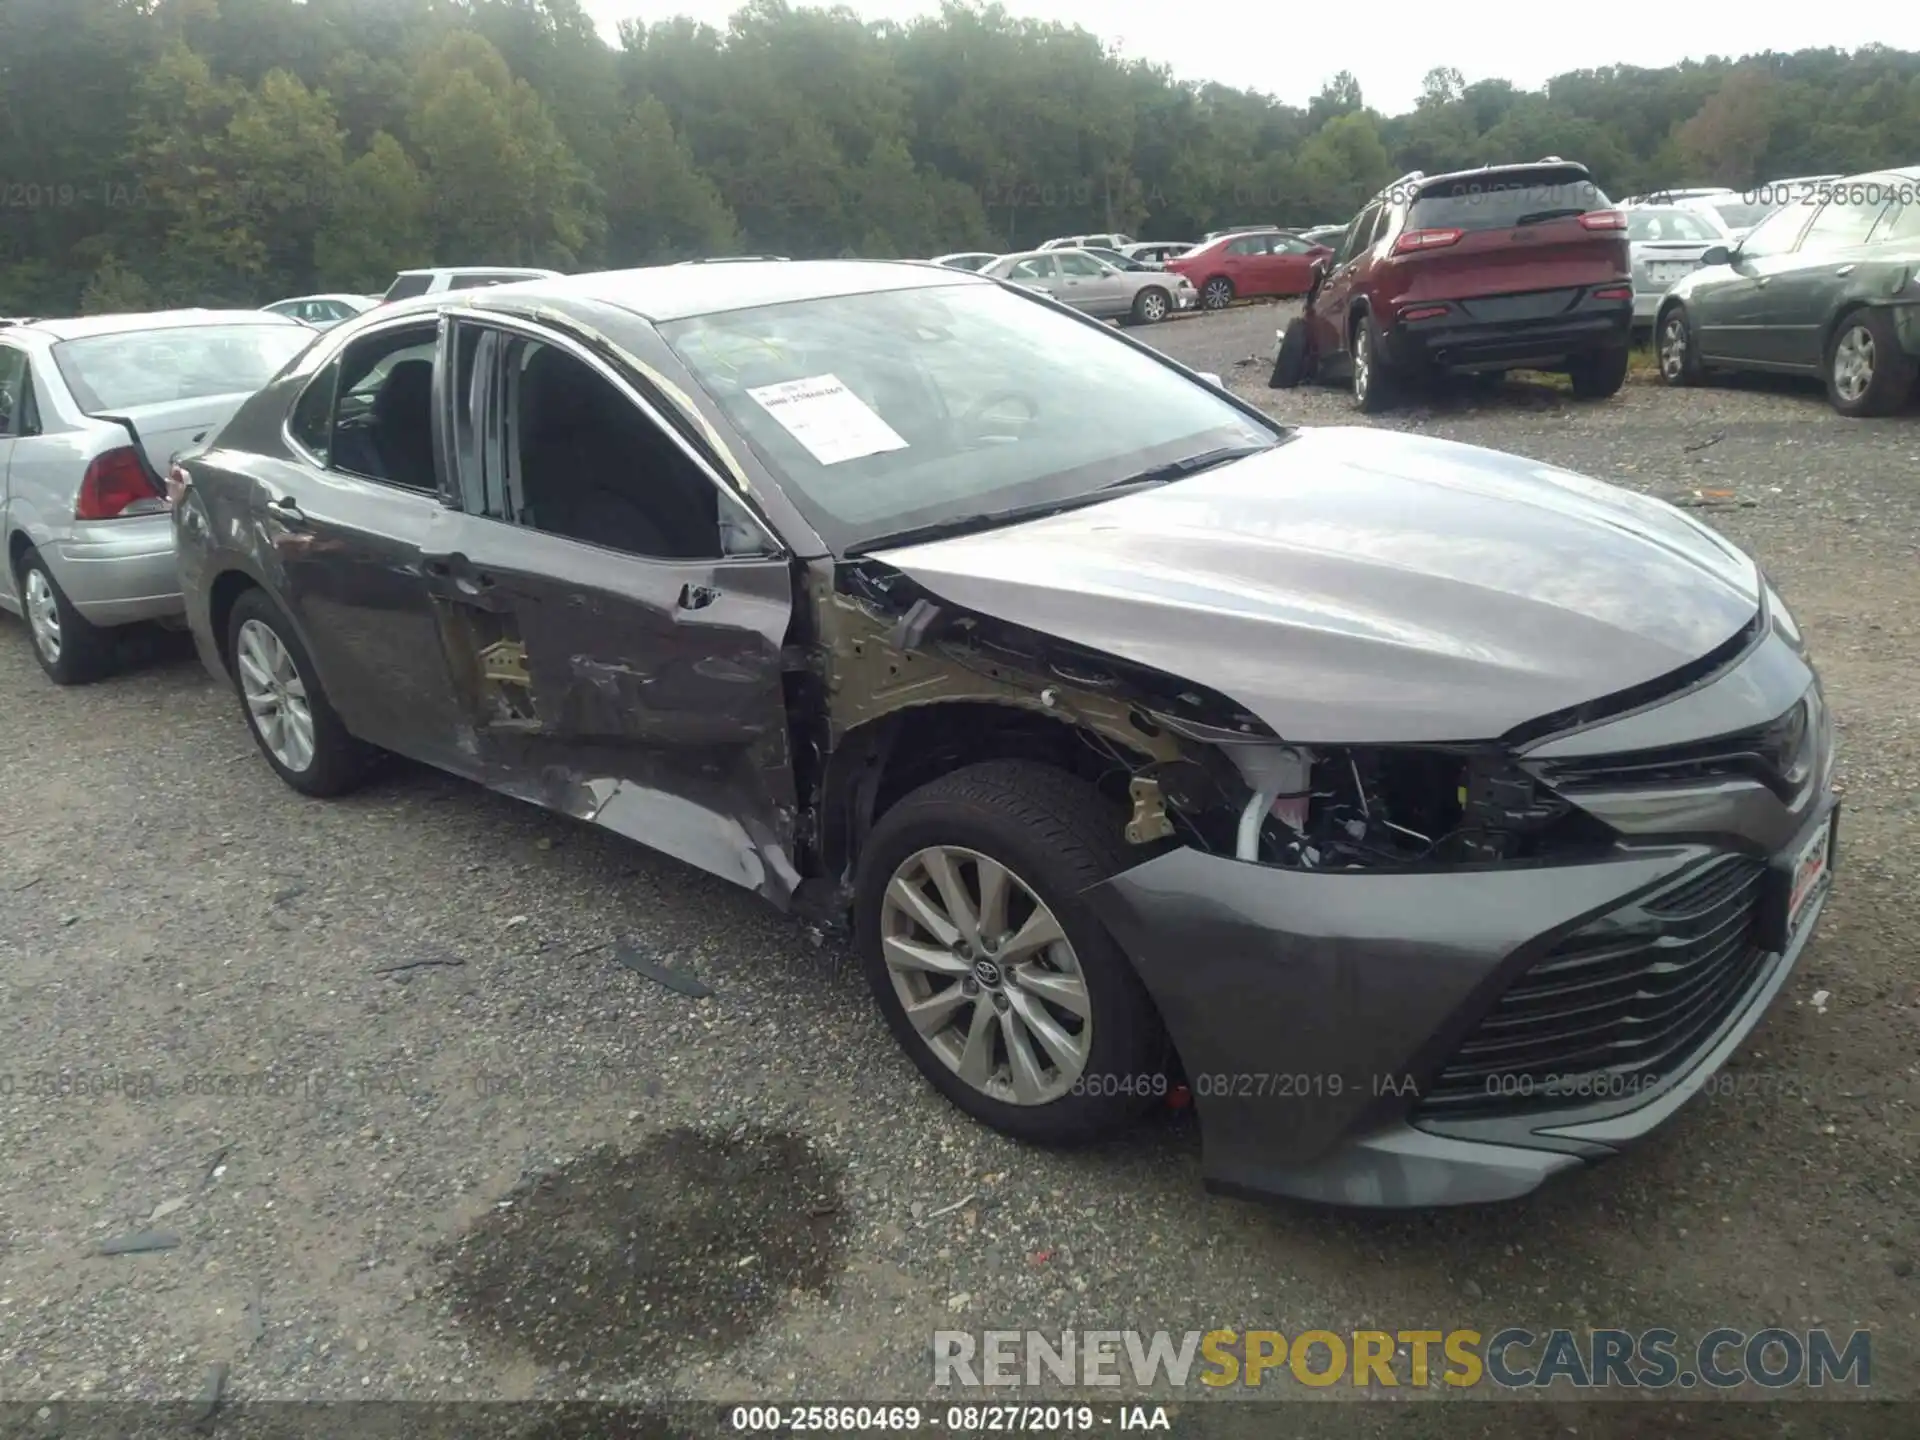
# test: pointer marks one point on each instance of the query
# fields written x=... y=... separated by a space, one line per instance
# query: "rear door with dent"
x=616 y=615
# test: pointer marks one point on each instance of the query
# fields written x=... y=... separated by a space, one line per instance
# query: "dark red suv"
x=1510 y=267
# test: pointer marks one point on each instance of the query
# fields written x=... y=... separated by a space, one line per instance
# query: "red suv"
x=1260 y=262
x=1510 y=267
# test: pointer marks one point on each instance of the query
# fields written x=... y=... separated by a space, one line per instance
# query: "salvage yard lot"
x=376 y=1064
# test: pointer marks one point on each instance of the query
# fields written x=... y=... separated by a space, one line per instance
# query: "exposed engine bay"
x=1190 y=766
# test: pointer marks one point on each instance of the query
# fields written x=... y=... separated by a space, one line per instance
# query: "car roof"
x=665 y=293
x=86 y=326
x=479 y=270
x=331 y=295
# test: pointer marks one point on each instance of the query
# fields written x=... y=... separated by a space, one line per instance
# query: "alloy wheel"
x=986 y=976
x=1853 y=362
x=1217 y=295
x=1362 y=364
x=1673 y=346
x=275 y=695
x=1152 y=307
x=43 y=614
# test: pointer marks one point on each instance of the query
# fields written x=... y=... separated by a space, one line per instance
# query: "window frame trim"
x=22 y=400
x=531 y=330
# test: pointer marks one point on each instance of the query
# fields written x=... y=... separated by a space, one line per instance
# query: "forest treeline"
x=233 y=151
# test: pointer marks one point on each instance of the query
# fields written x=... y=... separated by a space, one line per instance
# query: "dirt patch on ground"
x=620 y=1260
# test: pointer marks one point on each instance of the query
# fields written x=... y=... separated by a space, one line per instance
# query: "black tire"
x=1890 y=373
x=1216 y=294
x=1599 y=374
x=1151 y=299
x=1056 y=834
x=1294 y=358
x=1375 y=387
x=1675 y=348
x=85 y=650
x=339 y=761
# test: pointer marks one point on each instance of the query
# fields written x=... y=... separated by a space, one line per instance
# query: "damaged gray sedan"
x=1438 y=819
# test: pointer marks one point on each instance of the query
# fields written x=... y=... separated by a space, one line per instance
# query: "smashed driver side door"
x=616 y=619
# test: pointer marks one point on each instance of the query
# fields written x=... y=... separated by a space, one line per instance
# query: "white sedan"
x=92 y=412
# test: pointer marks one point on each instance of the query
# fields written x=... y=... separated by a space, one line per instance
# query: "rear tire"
x=70 y=648
x=1151 y=306
x=286 y=710
x=1216 y=294
x=1867 y=371
x=1291 y=361
x=1676 y=349
x=1052 y=836
x=1600 y=374
x=1375 y=386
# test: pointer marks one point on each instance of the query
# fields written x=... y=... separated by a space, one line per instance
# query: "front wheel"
x=1151 y=306
x=1217 y=293
x=989 y=964
x=288 y=713
x=1867 y=371
x=1599 y=375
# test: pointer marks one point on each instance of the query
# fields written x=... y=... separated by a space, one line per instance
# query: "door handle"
x=288 y=512
x=697 y=597
x=1844 y=270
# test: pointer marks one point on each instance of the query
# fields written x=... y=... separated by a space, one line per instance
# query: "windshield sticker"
x=830 y=420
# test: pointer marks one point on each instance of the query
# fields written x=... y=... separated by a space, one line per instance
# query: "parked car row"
x=948 y=642
x=1532 y=267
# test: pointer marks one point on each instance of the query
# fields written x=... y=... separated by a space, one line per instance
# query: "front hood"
x=1367 y=587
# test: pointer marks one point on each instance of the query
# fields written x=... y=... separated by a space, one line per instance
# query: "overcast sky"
x=1391 y=44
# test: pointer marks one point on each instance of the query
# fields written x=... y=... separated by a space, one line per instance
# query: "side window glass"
x=311 y=422
x=1358 y=233
x=13 y=383
x=585 y=463
x=1034 y=269
x=1247 y=245
x=1083 y=267
x=383 y=417
x=1775 y=234
x=1842 y=224
x=1901 y=222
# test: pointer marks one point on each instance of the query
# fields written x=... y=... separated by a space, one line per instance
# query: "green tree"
x=659 y=206
x=379 y=224
x=114 y=290
x=1728 y=135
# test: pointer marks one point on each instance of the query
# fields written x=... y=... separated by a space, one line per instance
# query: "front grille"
x=1616 y=1009
x=1775 y=754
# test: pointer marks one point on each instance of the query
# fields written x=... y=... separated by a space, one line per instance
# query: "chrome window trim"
x=329 y=350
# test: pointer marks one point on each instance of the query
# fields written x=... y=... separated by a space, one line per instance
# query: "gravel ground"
x=517 y=1169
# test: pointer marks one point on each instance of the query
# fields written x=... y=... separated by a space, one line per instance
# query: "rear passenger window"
x=13 y=385
x=311 y=423
x=1900 y=223
x=405 y=287
x=383 y=416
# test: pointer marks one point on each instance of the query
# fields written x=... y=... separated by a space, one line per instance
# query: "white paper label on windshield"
x=834 y=424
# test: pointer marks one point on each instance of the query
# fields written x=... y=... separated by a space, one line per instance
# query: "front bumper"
x=1500 y=332
x=1325 y=1021
x=115 y=572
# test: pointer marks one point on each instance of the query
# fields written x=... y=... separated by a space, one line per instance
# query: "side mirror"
x=1716 y=255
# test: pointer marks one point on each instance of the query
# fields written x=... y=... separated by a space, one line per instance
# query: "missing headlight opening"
x=1338 y=808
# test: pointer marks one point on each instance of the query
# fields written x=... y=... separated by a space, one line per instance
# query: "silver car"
x=1076 y=278
x=92 y=413
x=323 y=311
x=1667 y=242
x=967 y=259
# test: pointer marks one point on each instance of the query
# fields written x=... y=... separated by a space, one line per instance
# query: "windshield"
x=1740 y=214
x=107 y=373
x=1501 y=200
x=889 y=412
x=1672 y=224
